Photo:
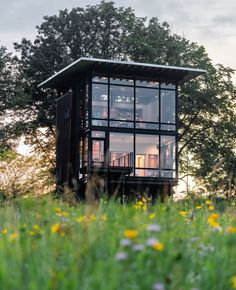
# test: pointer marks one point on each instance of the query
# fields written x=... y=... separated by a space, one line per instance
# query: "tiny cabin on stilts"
x=117 y=126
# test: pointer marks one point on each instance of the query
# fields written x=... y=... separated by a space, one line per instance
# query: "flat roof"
x=129 y=68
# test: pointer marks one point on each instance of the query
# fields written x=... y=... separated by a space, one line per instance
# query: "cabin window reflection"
x=122 y=105
x=168 y=155
x=121 y=149
x=168 y=106
x=99 y=104
x=147 y=108
x=147 y=155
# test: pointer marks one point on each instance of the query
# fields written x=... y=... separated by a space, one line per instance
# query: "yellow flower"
x=158 y=246
x=212 y=220
x=233 y=281
x=92 y=217
x=211 y=207
x=208 y=202
x=231 y=230
x=13 y=236
x=183 y=213
x=142 y=204
x=55 y=228
x=86 y=218
x=214 y=216
x=4 y=231
x=57 y=210
x=152 y=216
x=104 y=217
x=198 y=207
x=130 y=234
x=36 y=227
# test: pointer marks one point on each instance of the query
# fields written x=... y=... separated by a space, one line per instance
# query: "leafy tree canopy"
x=207 y=105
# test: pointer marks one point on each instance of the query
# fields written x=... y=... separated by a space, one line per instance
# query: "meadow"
x=49 y=244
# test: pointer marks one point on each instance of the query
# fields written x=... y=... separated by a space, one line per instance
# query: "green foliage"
x=207 y=125
x=47 y=244
x=6 y=154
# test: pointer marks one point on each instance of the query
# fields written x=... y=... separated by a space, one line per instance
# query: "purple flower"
x=121 y=256
x=153 y=228
x=151 y=241
x=158 y=286
x=138 y=247
x=125 y=242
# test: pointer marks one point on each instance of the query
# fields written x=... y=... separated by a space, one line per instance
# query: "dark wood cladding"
x=63 y=125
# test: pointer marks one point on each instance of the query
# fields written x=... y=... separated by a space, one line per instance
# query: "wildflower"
x=104 y=218
x=4 y=231
x=57 y=210
x=231 y=230
x=125 y=242
x=31 y=233
x=121 y=256
x=142 y=204
x=86 y=218
x=158 y=286
x=207 y=202
x=138 y=247
x=212 y=220
x=153 y=228
x=152 y=216
x=13 y=236
x=151 y=241
x=36 y=227
x=211 y=207
x=158 y=246
x=130 y=234
x=233 y=281
x=183 y=213
x=55 y=228
x=198 y=207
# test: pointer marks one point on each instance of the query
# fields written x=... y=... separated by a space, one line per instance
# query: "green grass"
x=46 y=244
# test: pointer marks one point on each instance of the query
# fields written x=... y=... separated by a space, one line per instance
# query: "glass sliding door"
x=147 y=155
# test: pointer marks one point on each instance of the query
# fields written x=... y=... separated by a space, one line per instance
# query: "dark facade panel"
x=63 y=126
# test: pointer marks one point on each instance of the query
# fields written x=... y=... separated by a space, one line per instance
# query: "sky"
x=211 y=23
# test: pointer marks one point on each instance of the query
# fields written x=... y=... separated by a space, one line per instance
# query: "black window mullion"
x=108 y=102
x=160 y=165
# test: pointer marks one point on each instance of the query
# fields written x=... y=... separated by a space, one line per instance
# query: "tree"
x=207 y=105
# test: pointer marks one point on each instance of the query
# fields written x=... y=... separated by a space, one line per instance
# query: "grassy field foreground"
x=46 y=244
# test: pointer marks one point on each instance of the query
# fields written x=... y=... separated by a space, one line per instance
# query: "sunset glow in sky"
x=210 y=23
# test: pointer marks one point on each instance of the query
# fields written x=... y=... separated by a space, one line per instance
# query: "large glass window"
x=99 y=104
x=121 y=106
x=153 y=103
x=121 y=149
x=147 y=155
x=98 y=148
x=147 y=108
x=168 y=152
x=167 y=106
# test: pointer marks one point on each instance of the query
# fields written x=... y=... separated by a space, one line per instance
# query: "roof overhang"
x=145 y=70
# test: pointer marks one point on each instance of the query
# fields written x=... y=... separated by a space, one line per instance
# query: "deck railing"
x=125 y=160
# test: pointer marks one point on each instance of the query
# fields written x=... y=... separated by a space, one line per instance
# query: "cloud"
x=208 y=22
